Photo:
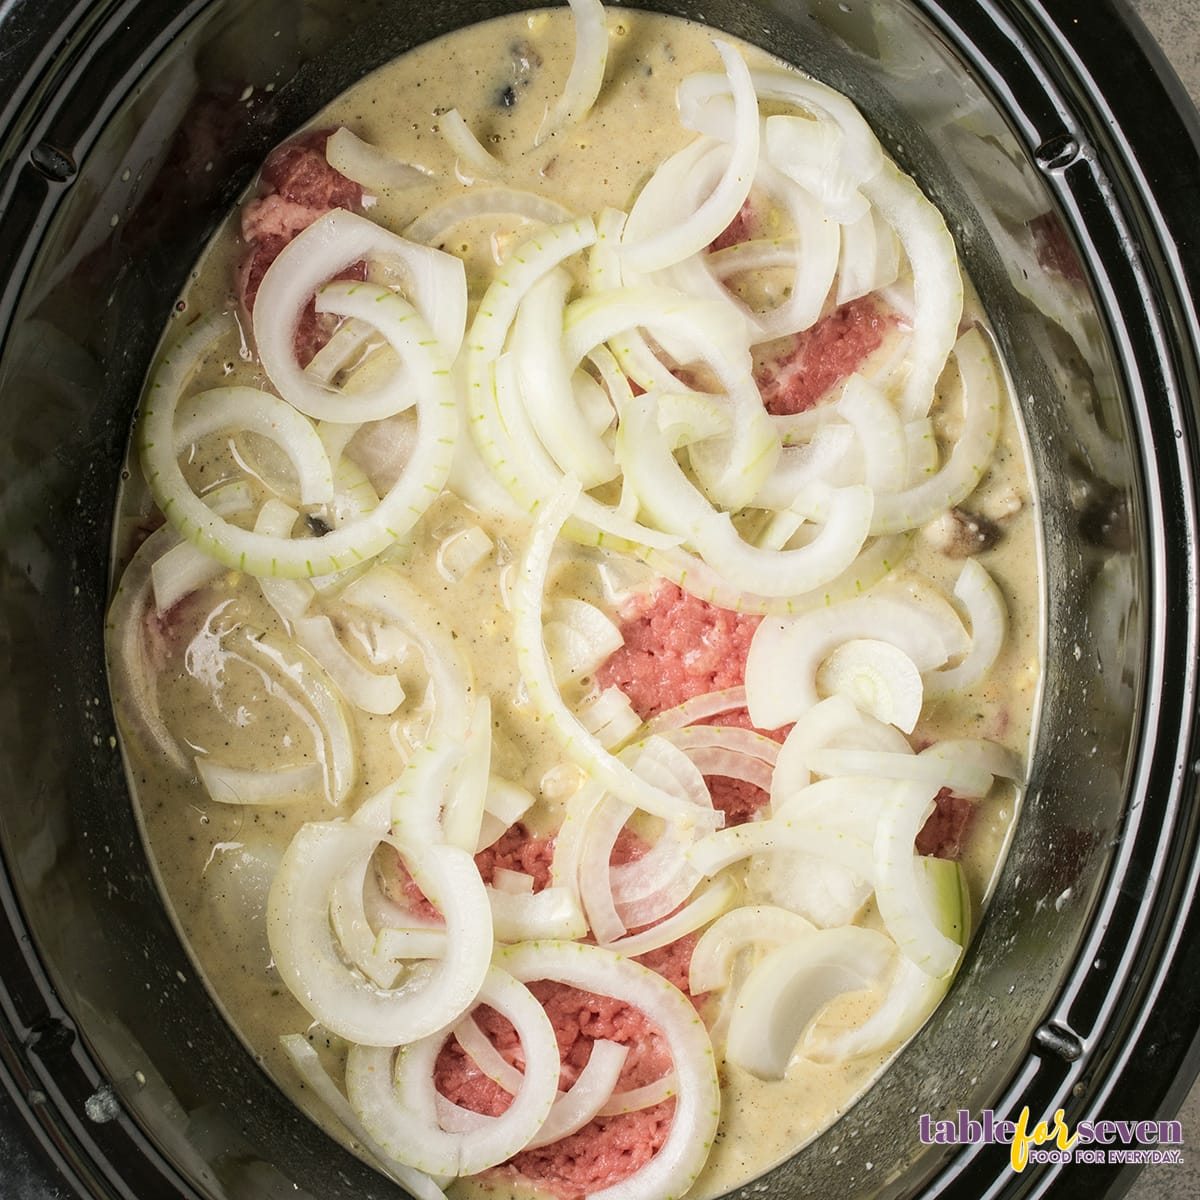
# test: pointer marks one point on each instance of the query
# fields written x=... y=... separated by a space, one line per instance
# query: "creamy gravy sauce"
x=213 y=860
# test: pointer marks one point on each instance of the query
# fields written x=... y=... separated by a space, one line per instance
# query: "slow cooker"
x=1067 y=162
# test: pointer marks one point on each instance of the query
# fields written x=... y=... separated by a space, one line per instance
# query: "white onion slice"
x=553 y=912
x=587 y=68
x=706 y=907
x=962 y=778
x=937 y=282
x=786 y=653
x=368 y=165
x=912 y=995
x=971 y=454
x=590 y=1092
x=823 y=722
x=748 y=925
x=308 y=1065
x=579 y=637
x=247 y=409
x=716 y=851
x=436 y=286
x=581 y=746
x=466 y=146
x=976 y=590
x=786 y=992
x=365 y=689
x=386 y=594
x=296 y=670
x=905 y=910
x=433 y=224
x=239 y=785
x=675 y=504
x=545 y=378
x=401 y=1113
x=671 y=236
x=610 y=717
x=260 y=555
x=290 y=598
x=307 y=957
x=880 y=432
x=878 y=677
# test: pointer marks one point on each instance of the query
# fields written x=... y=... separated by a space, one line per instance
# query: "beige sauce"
x=213 y=859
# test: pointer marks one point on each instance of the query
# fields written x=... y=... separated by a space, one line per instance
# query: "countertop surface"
x=1175 y=24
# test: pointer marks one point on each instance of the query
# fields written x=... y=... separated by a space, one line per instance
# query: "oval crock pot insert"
x=133 y=126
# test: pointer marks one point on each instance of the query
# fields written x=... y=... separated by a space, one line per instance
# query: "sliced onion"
x=369 y=166
x=657 y=235
x=239 y=785
x=180 y=571
x=433 y=224
x=976 y=590
x=733 y=469
x=364 y=689
x=581 y=746
x=905 y=910
x=647 y=1096
x=971 y=454
x=579 y=637
x=674 y=503
x=880 y=432
x=822 y=723
x=861 y=156
x=591 y=1091
x=697 y=1103
x=466 y=146
x=870 y=258
x=308 y=1065
x=398 y=944
x=786 y=653
x=485 y=342
x=825 y=459
x=706 y=907
x=825 y=892
x=878 y=677
x=307 y=957
x=290 y=598
x=401 y=1114
x=610 y=717
x=587 y=68
x=748 y=925
x=386 y=594
x=261 y=555
x=554 y=912
x=912 y=995
x=436 y=286
x=716 y=851
x=937 y=282
x=504 y=804
x=467 y=792
x=962 y=778
x=697 y=578
x=988 y=757
x=545 y=378
x=787 y=991
x=297 y=671
x=708 y=704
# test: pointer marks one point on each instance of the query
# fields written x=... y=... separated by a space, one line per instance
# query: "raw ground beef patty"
x=607 y=1149
x=678 y=647
x=296 y=187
